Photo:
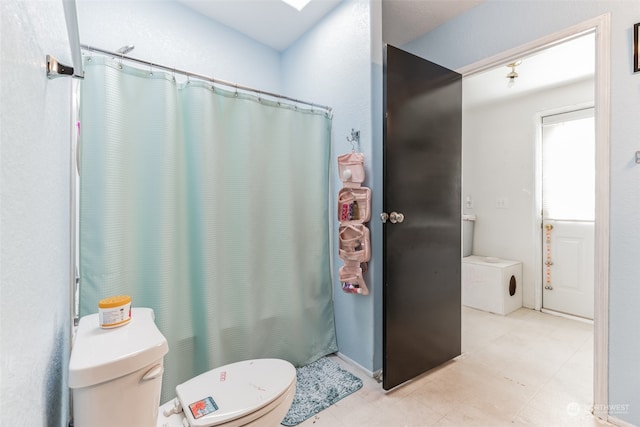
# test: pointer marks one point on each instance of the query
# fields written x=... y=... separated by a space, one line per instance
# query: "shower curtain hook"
x=121 y=59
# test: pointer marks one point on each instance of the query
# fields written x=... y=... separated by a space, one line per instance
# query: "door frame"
x=602 y=27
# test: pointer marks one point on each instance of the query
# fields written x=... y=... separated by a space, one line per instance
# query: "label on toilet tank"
x=203 y=407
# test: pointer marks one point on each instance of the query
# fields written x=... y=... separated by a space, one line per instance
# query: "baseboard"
x=618 y=422
x=359 y=366
x=566 y=316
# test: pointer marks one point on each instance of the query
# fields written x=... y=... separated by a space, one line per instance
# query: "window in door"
x=568 y=166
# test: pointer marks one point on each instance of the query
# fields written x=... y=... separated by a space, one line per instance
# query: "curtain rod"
x=199 y=76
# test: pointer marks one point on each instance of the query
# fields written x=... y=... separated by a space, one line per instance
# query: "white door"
x=568 y=196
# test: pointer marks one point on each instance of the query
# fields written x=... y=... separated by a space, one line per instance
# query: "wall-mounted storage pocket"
x=354 y=204
x=351 y=280
x=354 y=209
x=353 y=243
x=351 y=168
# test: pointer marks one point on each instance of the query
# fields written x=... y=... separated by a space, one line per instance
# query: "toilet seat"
x=231 y=395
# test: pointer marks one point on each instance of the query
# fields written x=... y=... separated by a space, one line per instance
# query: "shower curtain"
x=211 y=207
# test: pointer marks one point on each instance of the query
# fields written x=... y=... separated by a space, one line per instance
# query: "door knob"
x=384 y=217
x=396 y=217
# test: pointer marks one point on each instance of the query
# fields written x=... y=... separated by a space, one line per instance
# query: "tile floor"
x=524 y=369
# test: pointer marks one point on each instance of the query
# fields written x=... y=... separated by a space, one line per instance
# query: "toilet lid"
x=234 y=391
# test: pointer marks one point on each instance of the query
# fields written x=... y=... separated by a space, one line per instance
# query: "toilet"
x=491 y=284
x=116 y=378
x=468 y=222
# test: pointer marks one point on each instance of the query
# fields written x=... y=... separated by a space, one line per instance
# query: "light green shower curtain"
x=210 y=207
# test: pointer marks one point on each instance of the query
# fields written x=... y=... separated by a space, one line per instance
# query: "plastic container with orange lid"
x=114 y=311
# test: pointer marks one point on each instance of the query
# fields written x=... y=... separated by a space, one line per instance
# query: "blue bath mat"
x=319 y=385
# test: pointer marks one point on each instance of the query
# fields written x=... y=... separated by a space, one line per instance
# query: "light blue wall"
x=331 y=65
x=168 y=33
x=496 y=26
x=377 y=206
x=337 y=64
x=35 y=320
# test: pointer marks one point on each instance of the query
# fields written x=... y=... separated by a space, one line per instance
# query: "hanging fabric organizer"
x=354 y=210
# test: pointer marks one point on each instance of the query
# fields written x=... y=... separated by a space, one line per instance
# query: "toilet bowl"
x=116 y=377
x=250 y=393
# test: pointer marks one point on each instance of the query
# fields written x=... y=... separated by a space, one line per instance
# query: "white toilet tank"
x=468 y=222
x=116 y=374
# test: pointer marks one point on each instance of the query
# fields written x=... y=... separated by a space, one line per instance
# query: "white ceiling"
x=567 y=62
x=278 y=25
x=270 y=22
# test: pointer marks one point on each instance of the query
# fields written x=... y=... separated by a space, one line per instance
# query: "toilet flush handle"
x=153 y=373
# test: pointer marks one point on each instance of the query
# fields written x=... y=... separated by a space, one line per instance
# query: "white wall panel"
x=34 y=287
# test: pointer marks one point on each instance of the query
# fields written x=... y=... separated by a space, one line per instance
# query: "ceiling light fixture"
x=513 y=75
x=297 y=4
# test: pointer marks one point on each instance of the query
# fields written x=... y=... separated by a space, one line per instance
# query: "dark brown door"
x=421 y=249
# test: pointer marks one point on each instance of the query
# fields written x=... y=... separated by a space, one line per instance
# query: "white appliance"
x=116 y=378
x=116 y=374
x=491 y=284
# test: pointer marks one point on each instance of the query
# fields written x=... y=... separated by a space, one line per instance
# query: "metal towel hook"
x=354 y=139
